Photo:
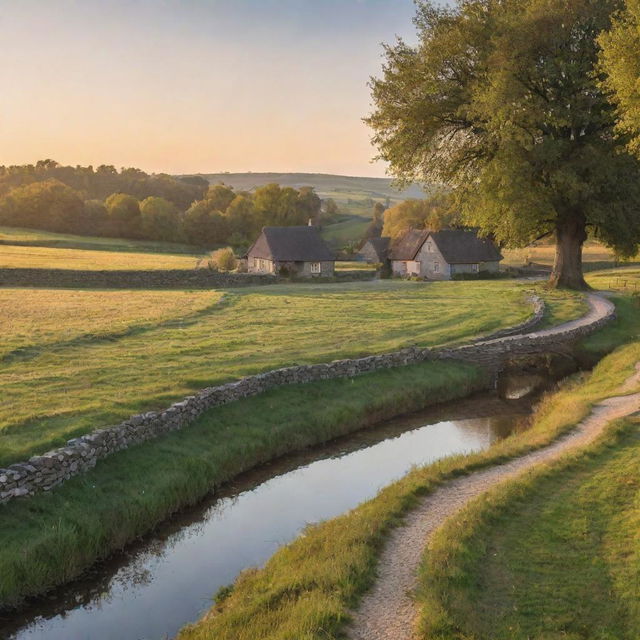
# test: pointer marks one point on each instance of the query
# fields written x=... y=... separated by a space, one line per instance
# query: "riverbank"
x=51 y=538
x=552 y=553
x=309 y=587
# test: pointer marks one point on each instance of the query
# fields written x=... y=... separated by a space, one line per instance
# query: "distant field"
x=36 y=238
x=350 y=265
x=76 y=375
x=624 y=279
x=48 y=258
x=326 y=185
x=545 y=254
x=340 y=233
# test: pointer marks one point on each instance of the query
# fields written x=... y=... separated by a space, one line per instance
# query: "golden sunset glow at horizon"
x=192 y=86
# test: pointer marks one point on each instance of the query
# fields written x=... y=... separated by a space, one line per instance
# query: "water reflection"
x=167 y=580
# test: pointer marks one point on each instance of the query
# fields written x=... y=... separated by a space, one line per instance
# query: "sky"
x=186 y=86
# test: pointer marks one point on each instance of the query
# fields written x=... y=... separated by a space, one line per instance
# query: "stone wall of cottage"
x=43 y=472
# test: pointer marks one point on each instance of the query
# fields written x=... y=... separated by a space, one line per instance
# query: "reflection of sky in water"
x=170 y=582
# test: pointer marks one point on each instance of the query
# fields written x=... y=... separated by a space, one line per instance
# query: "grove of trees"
x=132 y=204
x=516 y=108
x=433 y=213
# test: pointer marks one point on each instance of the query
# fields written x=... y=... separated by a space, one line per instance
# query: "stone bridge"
x=493 y=354
x=41 y=473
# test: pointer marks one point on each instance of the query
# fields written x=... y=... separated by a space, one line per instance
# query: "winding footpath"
x=388 y=610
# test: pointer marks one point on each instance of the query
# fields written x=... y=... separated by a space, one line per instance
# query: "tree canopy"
x=501 y=100
x=620 y=59
x=219 y=215
x=434 y=213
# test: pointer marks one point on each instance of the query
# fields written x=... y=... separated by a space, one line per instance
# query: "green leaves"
x=502 y=100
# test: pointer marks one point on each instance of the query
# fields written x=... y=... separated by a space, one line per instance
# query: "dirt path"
x=387 y=611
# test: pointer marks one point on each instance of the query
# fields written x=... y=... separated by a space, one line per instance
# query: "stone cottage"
x=294 y=250
x=374 y=250
x=440 y=255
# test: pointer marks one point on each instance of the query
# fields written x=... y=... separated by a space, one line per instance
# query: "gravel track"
x=388 y=611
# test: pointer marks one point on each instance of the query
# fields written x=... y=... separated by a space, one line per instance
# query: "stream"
x=167 y=580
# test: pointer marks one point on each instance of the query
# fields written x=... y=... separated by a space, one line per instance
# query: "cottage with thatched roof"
x=292 y=250
x=440 y=255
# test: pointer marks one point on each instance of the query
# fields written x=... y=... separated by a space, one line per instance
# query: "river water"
x=167 y=580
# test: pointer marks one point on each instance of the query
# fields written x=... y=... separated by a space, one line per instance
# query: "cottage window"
x=436 y=267
x=475 y=268
x=315 y=267
x=429 y=247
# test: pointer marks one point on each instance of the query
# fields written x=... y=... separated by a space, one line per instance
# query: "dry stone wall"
x=160 y=279
x=41 y=473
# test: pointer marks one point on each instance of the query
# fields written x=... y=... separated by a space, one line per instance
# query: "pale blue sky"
x=194 y=85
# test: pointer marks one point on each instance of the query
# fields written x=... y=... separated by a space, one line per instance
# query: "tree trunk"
x=567 y=268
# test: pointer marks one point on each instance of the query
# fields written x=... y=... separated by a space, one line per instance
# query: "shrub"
x=223 y=259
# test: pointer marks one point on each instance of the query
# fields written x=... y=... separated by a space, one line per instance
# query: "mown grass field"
x=50 y=538
x=34 y=257
x=64 y=381
x=308 y=587
x=36 y=318
x=38 y=238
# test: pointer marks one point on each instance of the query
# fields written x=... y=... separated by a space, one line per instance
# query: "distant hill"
x=326 y=185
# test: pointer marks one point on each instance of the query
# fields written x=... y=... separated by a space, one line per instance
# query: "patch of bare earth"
x=388 y=611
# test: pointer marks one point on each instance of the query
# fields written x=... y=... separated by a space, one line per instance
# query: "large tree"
x=501 y=101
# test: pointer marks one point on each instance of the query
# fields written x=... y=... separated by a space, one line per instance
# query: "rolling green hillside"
x=322 y=183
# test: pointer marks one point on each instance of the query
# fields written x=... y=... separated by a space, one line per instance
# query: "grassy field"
x=626 y=279
x=72 y=317
x=352 y=265
x=308 y=587
x=37 y=238
x=52 y=537
x=64 y=384
x=15 y=256
x=340 y=233
x=594 y=256
x=554 y=555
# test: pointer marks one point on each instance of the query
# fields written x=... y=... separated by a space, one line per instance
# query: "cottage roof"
x=291 y=244
x=409 y=244
x=457 y=246
x=380 y=246
x=463 y=246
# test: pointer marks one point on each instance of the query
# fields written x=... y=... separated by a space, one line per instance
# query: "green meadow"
x=35 y=257
x=308 y=588
x=74 y=361
x=38 y=238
